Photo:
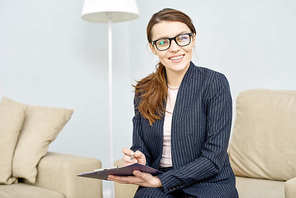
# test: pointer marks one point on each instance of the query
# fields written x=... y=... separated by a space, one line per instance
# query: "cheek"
x=188 y=51
x=162 y=55
x=189 y=48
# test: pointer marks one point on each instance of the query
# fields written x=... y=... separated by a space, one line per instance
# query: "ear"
x=153 y=49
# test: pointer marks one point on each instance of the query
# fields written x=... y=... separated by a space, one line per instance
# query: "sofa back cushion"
x=11 y=121
x=263 y=142
x=40 y=128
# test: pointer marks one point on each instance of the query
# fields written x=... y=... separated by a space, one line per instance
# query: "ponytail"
x=152 y=91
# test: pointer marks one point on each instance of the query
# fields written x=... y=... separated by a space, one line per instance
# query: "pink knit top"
x=166 y=160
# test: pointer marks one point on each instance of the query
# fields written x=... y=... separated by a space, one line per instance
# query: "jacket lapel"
x=183 y=102
x=185 y=94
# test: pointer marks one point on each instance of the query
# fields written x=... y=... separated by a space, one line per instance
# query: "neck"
x=175 y=77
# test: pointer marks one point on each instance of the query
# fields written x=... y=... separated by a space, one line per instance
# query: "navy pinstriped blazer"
x=200 y=133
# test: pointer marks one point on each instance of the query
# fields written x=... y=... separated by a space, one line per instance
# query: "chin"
x=178 y=67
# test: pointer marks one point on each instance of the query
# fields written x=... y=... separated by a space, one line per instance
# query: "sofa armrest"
x=58 y=172
x=290 y=188
x=124 y=190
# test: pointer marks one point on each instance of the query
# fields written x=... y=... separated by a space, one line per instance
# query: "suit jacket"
x=200 y=131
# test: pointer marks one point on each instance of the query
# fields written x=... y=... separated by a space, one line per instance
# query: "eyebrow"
x=165 y=37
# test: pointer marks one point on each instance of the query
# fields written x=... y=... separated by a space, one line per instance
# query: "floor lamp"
x=108 y=11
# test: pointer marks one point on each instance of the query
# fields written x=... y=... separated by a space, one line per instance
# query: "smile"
x=176 y=57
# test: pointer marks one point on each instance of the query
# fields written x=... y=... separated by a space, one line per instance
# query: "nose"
x=174 y=46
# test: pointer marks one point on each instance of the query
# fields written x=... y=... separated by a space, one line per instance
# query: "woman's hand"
x=131 y=157
x=139 y=178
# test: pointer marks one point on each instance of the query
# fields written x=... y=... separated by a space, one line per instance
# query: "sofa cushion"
x=124 y=190
x=11 y=121
x=290 y=188
x=259 y=188
x=264 y=135
x=27 y=191
x=40 y=128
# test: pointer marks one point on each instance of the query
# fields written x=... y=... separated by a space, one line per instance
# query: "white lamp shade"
x=109 y=10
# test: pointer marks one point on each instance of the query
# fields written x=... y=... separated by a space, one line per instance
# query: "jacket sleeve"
x=214 y=151
x=138 y=143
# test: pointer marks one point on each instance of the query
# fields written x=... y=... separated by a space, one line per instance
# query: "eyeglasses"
x=165 y=43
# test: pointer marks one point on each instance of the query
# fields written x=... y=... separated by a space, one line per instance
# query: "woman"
x=182 y=119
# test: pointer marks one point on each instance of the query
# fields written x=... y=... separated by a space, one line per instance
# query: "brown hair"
x=152 y=90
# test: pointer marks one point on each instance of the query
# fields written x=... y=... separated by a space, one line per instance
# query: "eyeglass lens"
x=181 y=40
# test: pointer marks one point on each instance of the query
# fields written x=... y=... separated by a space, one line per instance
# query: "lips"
x=176 y=58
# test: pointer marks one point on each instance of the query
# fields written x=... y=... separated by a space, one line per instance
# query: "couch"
x=57 y=178
x=262 y=148
x=27 y=169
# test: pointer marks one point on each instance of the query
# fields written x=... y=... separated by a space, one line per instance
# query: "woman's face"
x=175 y=58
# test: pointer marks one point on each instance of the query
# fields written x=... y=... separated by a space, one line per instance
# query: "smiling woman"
x=182 y=119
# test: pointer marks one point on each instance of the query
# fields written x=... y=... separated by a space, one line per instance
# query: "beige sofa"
x=262 y=149
x=57 y=179
x=27 y=169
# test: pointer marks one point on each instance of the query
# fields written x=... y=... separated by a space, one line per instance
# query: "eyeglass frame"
x=173 y=38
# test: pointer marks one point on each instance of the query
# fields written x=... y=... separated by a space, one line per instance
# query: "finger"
x=126 y=179
x=127 y=159
x=114 y=180
x=129 y=180
x=127 y=152
x=140 y=157
x=141 y=175
x=138 y=154
x=149 y=180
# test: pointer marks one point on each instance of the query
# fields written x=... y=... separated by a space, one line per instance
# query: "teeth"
x=176 y=58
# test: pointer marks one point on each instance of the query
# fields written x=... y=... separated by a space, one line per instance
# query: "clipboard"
x=102 y=174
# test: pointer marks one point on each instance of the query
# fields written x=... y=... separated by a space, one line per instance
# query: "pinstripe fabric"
x=200 y=133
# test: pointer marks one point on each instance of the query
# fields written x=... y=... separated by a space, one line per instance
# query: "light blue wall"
x=252 y=42
x=50 y=56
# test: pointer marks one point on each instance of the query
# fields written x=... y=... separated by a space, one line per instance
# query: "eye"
x=183 y=37
x=162 y=42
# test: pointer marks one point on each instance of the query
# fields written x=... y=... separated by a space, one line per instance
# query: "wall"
x=50 y=56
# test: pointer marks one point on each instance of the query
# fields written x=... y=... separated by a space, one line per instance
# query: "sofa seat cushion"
x=21 y=190
x=258 y=188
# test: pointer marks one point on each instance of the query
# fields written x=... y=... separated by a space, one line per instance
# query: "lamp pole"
x=102 y=11
x=110 y=99
x=110 y=90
